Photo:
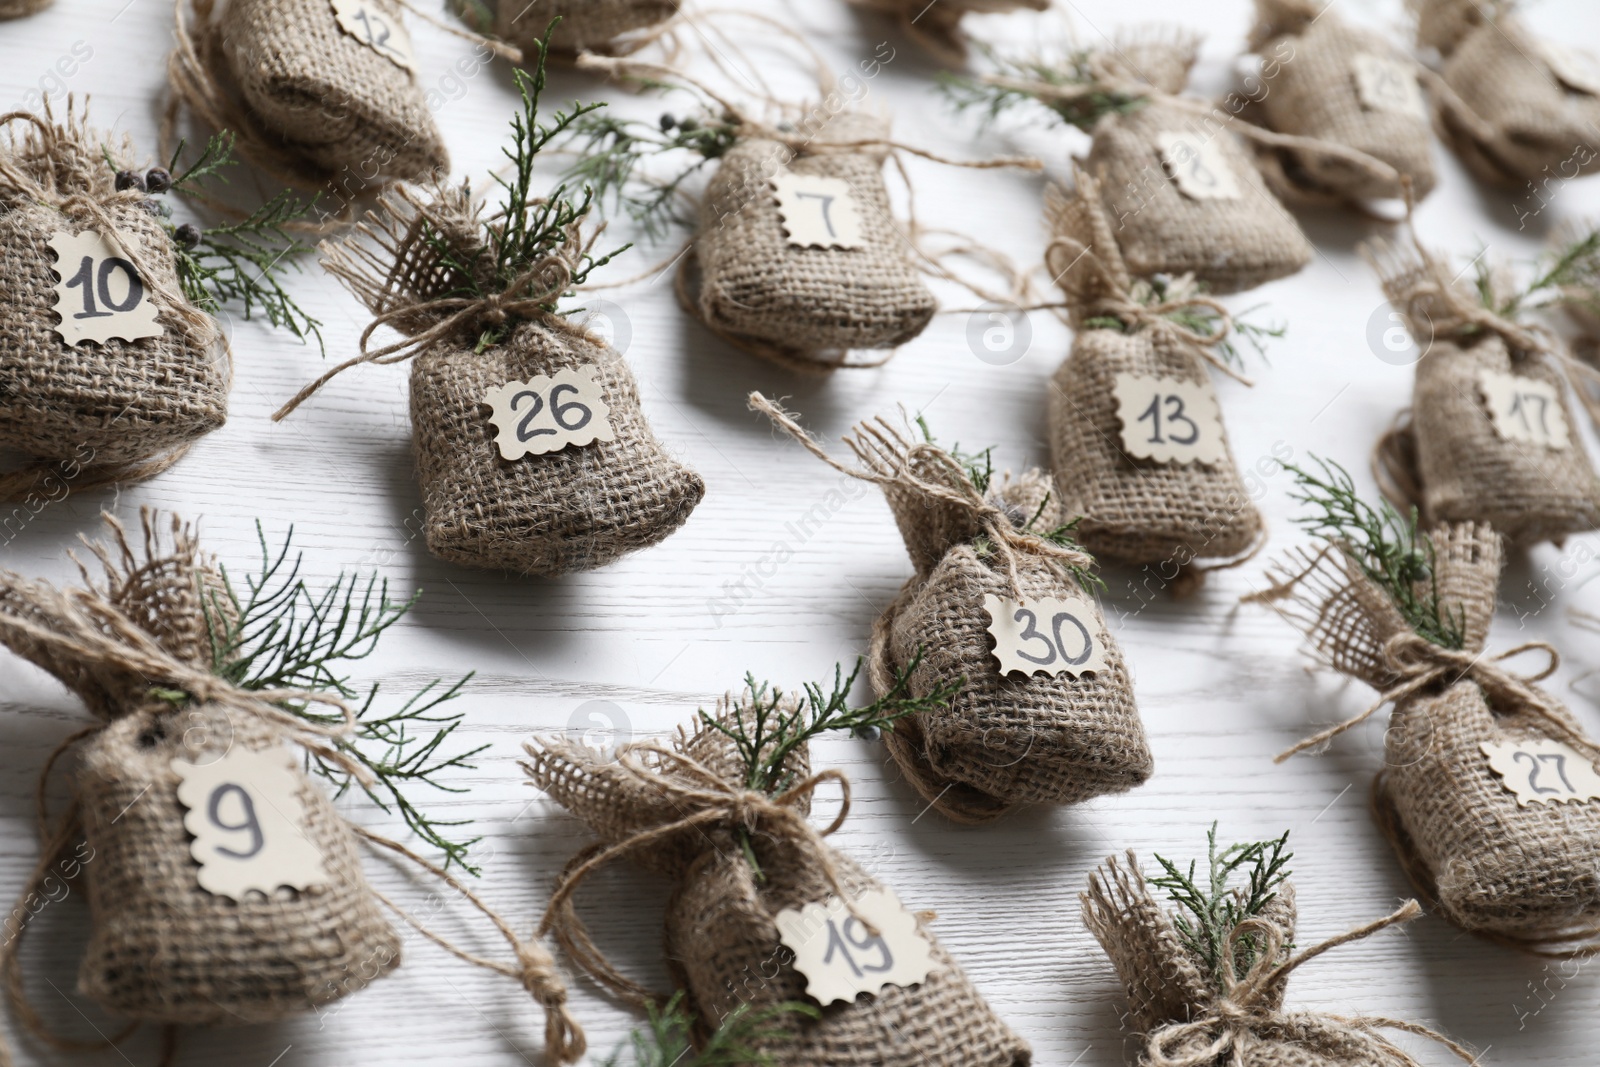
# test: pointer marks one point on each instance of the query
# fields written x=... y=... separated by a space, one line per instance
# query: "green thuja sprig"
x=1389 y=548
x=1021 y=82
x=1197 y=319
x=277 y=633
x=665 y=1040
x=1212 y=909
x=1569 y=274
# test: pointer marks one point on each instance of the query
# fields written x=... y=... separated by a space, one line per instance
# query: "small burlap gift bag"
x=242 y=901
x=986 y=554
x=318 y=92
x=492 y=356
x=1487 y=843
x=603 y=27
x=1325 y=79
x=938 y=27
x=742 y=858
x=1190 y=1013
x=1491 y=435
x=1151 y=486
x=1515 y=109
x=87 y=412
x=14 y=9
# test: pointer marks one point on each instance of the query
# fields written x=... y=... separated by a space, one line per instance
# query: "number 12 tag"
x=1543 y=771
x=248 y=823
x=1169 y=420
x=546 y=414
x=100 y=295
x=1525 y=409
x=1046 y=636
x=841 y=959
x=379 y=31
x=818 y=212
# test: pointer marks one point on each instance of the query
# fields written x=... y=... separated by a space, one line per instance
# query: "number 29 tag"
x=1169 y=420
x=841 y=958
x=1543 y=771
x=1525 y=409
x=100 y=295
x=548 y=413
x=818 y=212
x=248 y=823
x=1046 y=636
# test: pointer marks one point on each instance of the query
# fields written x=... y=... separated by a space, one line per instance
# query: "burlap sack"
x=1314 y=92
x=1182 y=1012
x=938 y=26
x=722 y=941
x=1504 y=110
x=574 y=509
x=93 y=413
x=1133 y=510
x=1529 y=876
x=586 y=25
x=805 y=307
x=306 y=99
x=162 y=949
x=1229 y=245
x=12 y=9
x=1450 y=462
x=1004 y=740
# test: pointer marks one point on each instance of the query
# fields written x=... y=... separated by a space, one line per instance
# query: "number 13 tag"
x=1046 y=635
x=248 y=823
x=1525 y=409
x=1543 y=771
x=818 y=212
x=1169 y=420
x=100 y=295
x=841 y=959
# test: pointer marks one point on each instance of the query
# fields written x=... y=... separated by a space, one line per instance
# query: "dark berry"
x=127 y=179
x=187 y=235
x=688 y=125
x=667 y=122
x=158 y=180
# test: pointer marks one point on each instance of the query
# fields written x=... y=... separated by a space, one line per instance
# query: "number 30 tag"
x=841 y=958
x=100 y=295
x=1169 y=420
x=1543 y=771
x=818 y=212
x=547 y=414
x=1046 y=636
x=248 y=823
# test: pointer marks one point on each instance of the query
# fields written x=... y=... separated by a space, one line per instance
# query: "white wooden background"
x=1221 y=688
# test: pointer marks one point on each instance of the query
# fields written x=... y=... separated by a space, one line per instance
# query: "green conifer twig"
x=665 y=1040
x=1008 y=88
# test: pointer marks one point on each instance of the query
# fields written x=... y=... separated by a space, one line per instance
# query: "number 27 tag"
x=1046 y=635
x=818 y=212
x=1543 y=771
x=546 y=414
x=841 y=958
x=100 y=295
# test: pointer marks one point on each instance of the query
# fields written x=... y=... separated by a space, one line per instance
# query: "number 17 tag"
x=841 y=958
x=1046 y=636
x=818 y=212
x=1525 y=409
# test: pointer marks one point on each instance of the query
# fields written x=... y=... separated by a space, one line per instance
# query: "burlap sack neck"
x=93 y=413
x=575 y=509
x=805 y=308
x=1190 y=1018
x=1527 y=876
x=1503 y=110
x=598 y=26
x=1315 y=94
x=1133 y=511
x=1004 y=741
x=677 y=810
x=1449 y=461
x=938 y=27
x=1229 y=245
x=306 y=100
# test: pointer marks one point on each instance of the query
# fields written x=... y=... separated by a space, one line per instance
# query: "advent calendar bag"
x=11 y=9
x=599 y=26
x=939 y=26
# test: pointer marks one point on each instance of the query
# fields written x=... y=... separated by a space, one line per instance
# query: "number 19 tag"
x=1046 y=636
x=1525 y=409
x=818 y=212
x=100 y=295
x=1543 y=771
x=1169 y=420
x=841 y=958
x=248 y=823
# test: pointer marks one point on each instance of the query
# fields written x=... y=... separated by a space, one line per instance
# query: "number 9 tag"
x=1046 y=636
x=100 y=295
x=1543 y=771
x=248 y=823
x=841 y=958
x=546 y=414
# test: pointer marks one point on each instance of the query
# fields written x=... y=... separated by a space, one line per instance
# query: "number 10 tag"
x=1169 y=420
x=1046 y=636
x=1543 y=771
x=1525 y=409
x=248 y=823
x=841 y=958
x=100 y=295
x=818 y=212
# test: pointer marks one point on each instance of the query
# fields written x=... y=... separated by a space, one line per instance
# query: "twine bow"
x=1246 y=1007
x=709 y=801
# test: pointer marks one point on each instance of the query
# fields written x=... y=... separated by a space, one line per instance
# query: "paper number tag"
x=1525 y=409
x=546 y=414
x=1046 y=636
x=1575 y=68
x=818 y=212
x=1198 y=166
x=841 y=959
x=248 y=823
x=1386 y=84
x=1169 y=420
x=1543 y=771
x=100 y=295
x=382 y=33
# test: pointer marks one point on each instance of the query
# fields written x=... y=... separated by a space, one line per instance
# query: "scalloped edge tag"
x=1196 y=405
x=106 y=257
x=1543 y=771
x=840 y=959
x=818 y=212
x=1021 y=646
x=380 y=31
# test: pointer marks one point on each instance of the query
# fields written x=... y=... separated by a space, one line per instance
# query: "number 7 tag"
x=818 y=212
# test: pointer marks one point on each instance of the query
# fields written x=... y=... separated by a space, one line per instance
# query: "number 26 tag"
x=248 y=823
x=1543 y=771
x=100 y=295
x=818 y=212
x=841 y=958
x=546 y=414
x=1046 y=636
x=1169 y=420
